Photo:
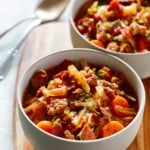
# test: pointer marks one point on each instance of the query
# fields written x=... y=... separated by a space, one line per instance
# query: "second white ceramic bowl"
x=139 y=61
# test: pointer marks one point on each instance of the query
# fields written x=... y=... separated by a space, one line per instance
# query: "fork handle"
x=6 y=61
x=16 y=25
x=13 y=27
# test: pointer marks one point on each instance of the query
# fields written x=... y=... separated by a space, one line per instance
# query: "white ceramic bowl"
x=119 y=141
x=139 y=61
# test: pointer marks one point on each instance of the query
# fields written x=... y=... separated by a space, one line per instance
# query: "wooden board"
x=53 y=37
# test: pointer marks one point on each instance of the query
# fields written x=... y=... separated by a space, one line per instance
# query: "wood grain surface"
x=54 y=37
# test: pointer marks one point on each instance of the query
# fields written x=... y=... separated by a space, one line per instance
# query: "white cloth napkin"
x=6 y=108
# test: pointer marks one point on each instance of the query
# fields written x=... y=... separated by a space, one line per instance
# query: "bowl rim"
x=140 y=110
x=71 y=20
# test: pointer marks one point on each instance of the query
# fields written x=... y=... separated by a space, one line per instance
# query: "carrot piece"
x=119 y=101
x=45 y=125
x=111 y=128
x=124 y=111
x=97 y=42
